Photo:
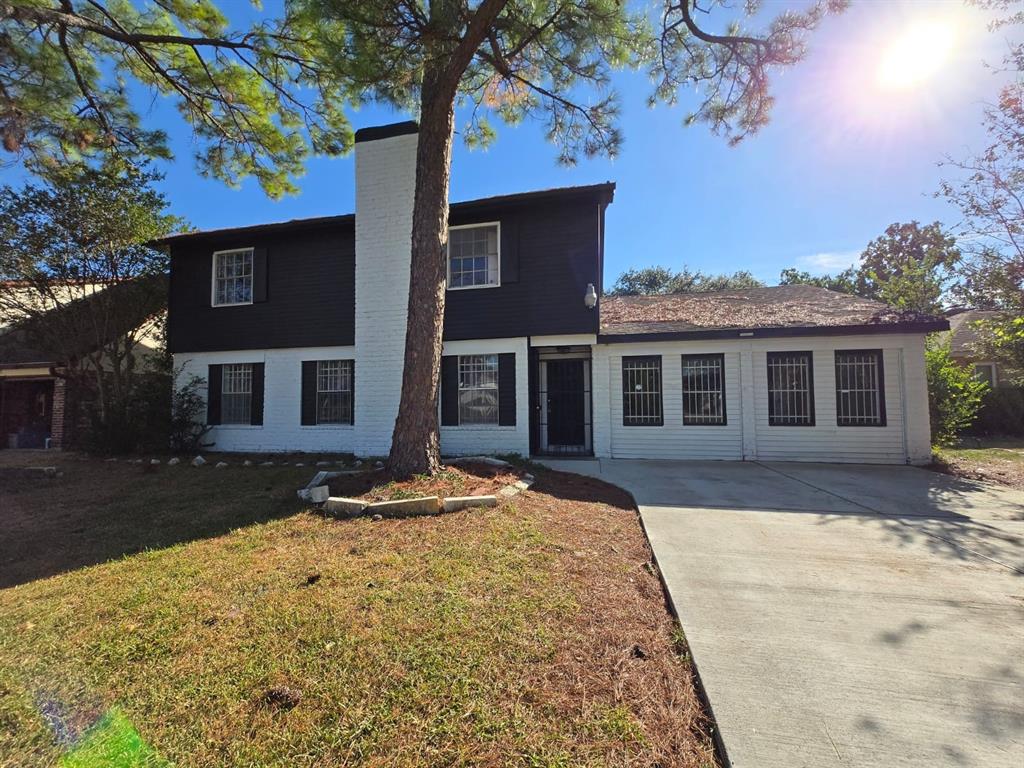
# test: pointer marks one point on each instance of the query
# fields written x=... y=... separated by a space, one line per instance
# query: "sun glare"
x=916 y=55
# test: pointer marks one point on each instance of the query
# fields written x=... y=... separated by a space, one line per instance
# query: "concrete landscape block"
x=220 y=465
x=320 y=494
x=198 y=461
x=323 y=463
x=344 y=507
x=173 y=461
x=267 y=464
x=480 y=460
x=154 y=462
x=246 y=463
x=508 y=490
x=455 y=503
x=425 y=505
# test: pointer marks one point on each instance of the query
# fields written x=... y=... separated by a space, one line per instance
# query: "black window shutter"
x=352 y=410
x=507 y=389
x=213 y=382
x=256 y=404
x=450 y=391
x=308 y=392
x=259 y=274
x=509 y=250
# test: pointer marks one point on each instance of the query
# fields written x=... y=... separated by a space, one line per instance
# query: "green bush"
x=954 y=395
x=1002 y=413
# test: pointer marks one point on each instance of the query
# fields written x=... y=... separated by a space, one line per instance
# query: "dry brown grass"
x=532 y=634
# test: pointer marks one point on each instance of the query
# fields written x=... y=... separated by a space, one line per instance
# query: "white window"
x=790 y=389
x=986 y=372
x=478 y=389
x=236 y=394
x=860 y=395
x=641 y=391
x=232 y=277
x=334 y=392
x=474 y=256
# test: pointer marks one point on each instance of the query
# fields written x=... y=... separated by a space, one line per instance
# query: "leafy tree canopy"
x=261 y=99
x=76 y=272
x=987 y=188
x=650 y=281
x=910 y=267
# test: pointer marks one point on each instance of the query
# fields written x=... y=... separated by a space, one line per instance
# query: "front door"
x=566 y=404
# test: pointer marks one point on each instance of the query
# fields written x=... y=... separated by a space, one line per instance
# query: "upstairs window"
x=641 y=391
x=473 y=256
x=704 y=390
x=334 y=392
x=232 y=277
x=790 y=389
x=478 y=389
x=236 y=394
x=860 y=394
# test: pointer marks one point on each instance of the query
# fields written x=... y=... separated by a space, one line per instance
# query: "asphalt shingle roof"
x=781 y=306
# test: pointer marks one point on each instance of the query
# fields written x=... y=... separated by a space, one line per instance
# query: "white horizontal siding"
x=905 y=436
x=674 y=440
x=826 y=441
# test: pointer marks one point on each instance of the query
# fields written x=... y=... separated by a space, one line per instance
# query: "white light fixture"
x=590 y=297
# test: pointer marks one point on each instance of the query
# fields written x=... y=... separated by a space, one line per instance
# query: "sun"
x=916 y=55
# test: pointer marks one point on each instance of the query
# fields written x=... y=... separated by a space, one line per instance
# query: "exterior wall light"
x=590 y=297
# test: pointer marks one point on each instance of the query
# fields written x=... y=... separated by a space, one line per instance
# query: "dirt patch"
x=464 y=480
x=990 y=469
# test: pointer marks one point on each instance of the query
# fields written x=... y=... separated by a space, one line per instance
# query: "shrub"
x=1002 y=413
x=954 y=395
x=187 y=427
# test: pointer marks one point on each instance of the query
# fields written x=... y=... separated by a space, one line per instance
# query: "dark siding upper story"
x=550 y=250
x=309 y=297
x=548 y=254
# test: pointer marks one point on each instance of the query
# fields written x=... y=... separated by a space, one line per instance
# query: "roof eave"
x=923 y=326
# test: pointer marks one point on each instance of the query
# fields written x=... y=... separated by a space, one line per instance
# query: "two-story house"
x=299 y=329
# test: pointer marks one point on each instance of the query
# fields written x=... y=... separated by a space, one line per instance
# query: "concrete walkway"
x=843 y=615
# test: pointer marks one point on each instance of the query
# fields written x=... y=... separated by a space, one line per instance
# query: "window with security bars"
x=236 y=394
x=232 y=277
x=860 y=394
x=790 y=389
x=473 y=256
x=334 y=392
x=704 y=389
x=478 y=389
x=641 y=391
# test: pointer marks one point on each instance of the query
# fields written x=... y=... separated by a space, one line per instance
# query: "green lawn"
x=533 y=634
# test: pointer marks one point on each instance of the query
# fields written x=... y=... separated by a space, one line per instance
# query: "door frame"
x=538 y=358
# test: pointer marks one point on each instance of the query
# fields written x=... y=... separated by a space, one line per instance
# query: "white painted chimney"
x=385 y=185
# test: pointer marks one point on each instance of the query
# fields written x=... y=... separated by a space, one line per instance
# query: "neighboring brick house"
x=964 y=337
x=299 y=329
x=39 y=406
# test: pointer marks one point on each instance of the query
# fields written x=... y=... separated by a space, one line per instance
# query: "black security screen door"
x=566 y=412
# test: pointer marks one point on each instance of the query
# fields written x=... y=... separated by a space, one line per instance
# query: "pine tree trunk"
x=415 y=444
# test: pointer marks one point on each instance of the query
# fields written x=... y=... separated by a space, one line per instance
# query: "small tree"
x=650 y=281
x=78 y=277
x=954 y=395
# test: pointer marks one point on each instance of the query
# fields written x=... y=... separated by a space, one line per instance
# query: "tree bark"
x=415 y=443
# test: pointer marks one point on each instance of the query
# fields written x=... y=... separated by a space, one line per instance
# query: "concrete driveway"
x=843 y=615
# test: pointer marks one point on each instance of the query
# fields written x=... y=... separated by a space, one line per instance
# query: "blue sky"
x=842 y=158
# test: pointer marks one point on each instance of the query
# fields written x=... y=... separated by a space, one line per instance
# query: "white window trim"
x=213 y=277
x=448 y=257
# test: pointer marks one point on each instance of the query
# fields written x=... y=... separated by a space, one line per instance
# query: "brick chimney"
x=385 y=184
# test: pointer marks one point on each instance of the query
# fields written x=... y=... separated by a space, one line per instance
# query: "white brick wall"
x=385 y=184
x=282 y=396
x=469 y=440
